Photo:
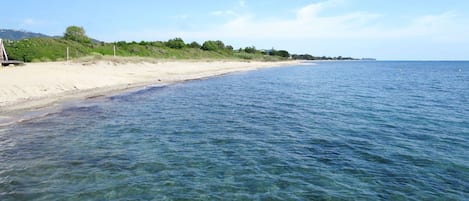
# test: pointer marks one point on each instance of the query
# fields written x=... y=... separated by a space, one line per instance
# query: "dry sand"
x=38 y=85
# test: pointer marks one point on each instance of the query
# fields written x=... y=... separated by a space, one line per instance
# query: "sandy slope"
x=41 y=84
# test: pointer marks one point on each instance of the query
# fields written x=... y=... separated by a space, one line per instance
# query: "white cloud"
x=309 y=23
x=235 y=11
x=242 y=3
x=183 y=17
x=313 y=10
x=32 y=22
x=224 y=13
x=445 y=26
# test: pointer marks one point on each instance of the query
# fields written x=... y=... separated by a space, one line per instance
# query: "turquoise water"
x=332 y=131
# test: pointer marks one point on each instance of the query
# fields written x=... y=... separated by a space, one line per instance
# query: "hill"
x=10 y=34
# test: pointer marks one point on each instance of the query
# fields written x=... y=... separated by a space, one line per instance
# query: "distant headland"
x=310 y=57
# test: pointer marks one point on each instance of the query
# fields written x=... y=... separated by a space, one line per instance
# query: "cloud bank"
x=314 y=23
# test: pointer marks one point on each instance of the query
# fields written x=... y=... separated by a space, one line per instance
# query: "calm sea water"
x=332 y=131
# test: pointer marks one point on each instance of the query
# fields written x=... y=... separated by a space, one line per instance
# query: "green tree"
x=144 y=43
x=195 y=45
x=283 y=53
x=209 y=45
x=220 y=44
x=250 y=50
x=77 y=34
x=176 y=43
x=280 y=53
x=212 y=45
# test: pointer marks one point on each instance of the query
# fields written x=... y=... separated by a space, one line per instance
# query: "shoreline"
x=36 y=87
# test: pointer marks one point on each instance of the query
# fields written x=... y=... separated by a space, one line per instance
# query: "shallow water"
x=336 y=130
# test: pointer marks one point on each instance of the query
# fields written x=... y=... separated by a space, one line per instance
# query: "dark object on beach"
x=13 y=62
x=4 y=57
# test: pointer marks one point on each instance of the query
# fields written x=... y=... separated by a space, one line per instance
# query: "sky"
x=382 y=29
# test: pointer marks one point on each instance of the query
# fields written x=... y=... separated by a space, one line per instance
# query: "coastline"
x=38 y=86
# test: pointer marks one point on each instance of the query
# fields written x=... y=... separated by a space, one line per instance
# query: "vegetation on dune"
x=176 y=43
x=80 y=45
x=75 y=33
x=34 y=47
x=44 y=49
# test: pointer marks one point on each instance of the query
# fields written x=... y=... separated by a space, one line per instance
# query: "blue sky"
x=398 y=29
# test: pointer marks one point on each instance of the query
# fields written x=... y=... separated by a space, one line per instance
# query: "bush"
x=211 y=45
x=143 y=43
x=121 y=43
x=77 y=34
x=195 y=45
x=176 y=43
x=283 y=53
x=280 y=53
x=250 y=50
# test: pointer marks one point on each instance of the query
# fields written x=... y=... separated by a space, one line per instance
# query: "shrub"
x=211 y=45
x=280 y=53
x=195 y=45
x=283 y=53
x=77 y=34
x=250 y=50
x=176 y=43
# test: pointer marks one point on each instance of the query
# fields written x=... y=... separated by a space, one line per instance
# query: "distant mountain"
x=11 y=34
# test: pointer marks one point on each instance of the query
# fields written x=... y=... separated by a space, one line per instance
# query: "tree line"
x=310 y=57
x=78 y=34
x=80 y=45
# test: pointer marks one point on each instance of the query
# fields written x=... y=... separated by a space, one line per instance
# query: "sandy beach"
x=38 y=85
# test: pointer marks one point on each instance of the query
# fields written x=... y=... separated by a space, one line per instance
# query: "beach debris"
x=4 y=56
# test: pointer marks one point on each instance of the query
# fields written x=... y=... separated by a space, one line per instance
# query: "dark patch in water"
x=335 y=131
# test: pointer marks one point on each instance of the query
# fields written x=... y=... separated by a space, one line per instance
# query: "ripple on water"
x=333 y=131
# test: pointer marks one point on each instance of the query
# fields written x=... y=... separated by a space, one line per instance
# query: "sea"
x=351 y=130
